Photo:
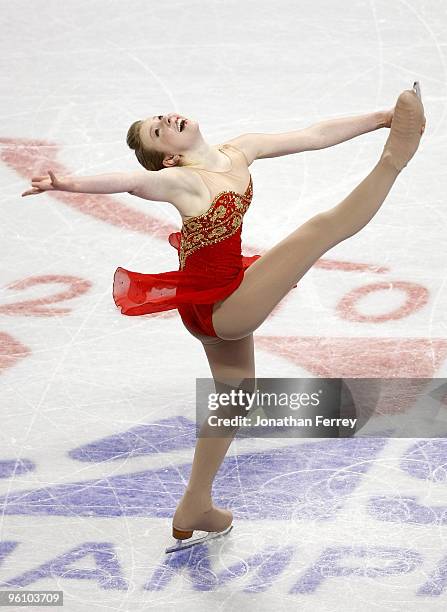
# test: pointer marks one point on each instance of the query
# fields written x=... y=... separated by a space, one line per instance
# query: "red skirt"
x=211 y=274
x=139 y=294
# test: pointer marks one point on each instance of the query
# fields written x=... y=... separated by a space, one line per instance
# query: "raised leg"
x=272 y=276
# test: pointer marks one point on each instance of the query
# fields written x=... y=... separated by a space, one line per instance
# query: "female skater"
x=222 y=296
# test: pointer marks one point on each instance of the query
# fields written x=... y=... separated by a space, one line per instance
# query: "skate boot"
x=407 y=127
x=216 y=521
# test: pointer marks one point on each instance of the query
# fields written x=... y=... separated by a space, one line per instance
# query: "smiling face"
x=172 y=134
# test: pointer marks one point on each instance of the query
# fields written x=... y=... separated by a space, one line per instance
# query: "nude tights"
x=265 y=283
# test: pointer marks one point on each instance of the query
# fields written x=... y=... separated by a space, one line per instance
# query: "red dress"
x=211 y=264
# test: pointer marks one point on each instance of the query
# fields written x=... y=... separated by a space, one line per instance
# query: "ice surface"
x=97 y=409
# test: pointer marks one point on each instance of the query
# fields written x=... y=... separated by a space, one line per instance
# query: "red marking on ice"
x=11 y=350
x=416 y=297
x=347 y=266
x=400 y=358
x=34 y=307
x=29 y=158
x=360 y=357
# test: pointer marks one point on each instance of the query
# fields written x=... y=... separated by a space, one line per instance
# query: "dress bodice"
x=225 y=214
x=220 y=221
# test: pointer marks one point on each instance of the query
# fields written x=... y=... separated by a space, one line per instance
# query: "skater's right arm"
x=151 y=185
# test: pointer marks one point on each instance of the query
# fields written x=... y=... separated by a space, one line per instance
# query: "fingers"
x=32 y=191
x=44 y=177
x=52 y=177
x=42 y=183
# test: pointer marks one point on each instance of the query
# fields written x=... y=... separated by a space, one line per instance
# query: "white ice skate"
x=187 y=543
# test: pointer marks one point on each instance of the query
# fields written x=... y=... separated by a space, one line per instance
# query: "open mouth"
x=181 y=124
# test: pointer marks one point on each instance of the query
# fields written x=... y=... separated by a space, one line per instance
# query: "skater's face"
x=171 y=134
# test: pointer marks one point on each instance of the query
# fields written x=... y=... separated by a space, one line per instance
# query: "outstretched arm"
x=160 y=185
x=115 y=182
x=333 y=131
x=317 y=136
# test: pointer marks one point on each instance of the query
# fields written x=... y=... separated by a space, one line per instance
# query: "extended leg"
x=272 y=276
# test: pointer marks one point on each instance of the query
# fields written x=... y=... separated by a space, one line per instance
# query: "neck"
x=203 y=156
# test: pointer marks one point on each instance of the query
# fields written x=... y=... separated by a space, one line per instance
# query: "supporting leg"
x=230 y=362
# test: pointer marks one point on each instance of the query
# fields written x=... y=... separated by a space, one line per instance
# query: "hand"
x=44 y=183
x=388 y=117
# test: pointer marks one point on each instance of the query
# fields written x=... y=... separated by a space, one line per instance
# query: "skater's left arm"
x=317 y=136
x=333 y=131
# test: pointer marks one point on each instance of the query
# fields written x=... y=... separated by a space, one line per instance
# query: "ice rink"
x=97 y=409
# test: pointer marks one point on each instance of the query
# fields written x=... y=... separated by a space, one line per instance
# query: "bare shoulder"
x=247 y=144
x=166 y=185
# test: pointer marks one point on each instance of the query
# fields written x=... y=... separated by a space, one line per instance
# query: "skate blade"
x=417 y=89
x=211 y=535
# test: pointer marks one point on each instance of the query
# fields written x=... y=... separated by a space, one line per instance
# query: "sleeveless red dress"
x=211 y=264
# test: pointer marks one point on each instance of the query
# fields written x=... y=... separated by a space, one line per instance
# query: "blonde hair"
x=148 y=158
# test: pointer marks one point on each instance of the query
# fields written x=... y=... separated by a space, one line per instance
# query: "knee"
x=211 y=340
x=233 y=328
x=232 y=334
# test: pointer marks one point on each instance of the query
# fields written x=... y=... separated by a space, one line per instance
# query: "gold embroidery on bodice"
x=222 y=219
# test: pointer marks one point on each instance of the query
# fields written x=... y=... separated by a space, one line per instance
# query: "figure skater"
x=221 y=295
